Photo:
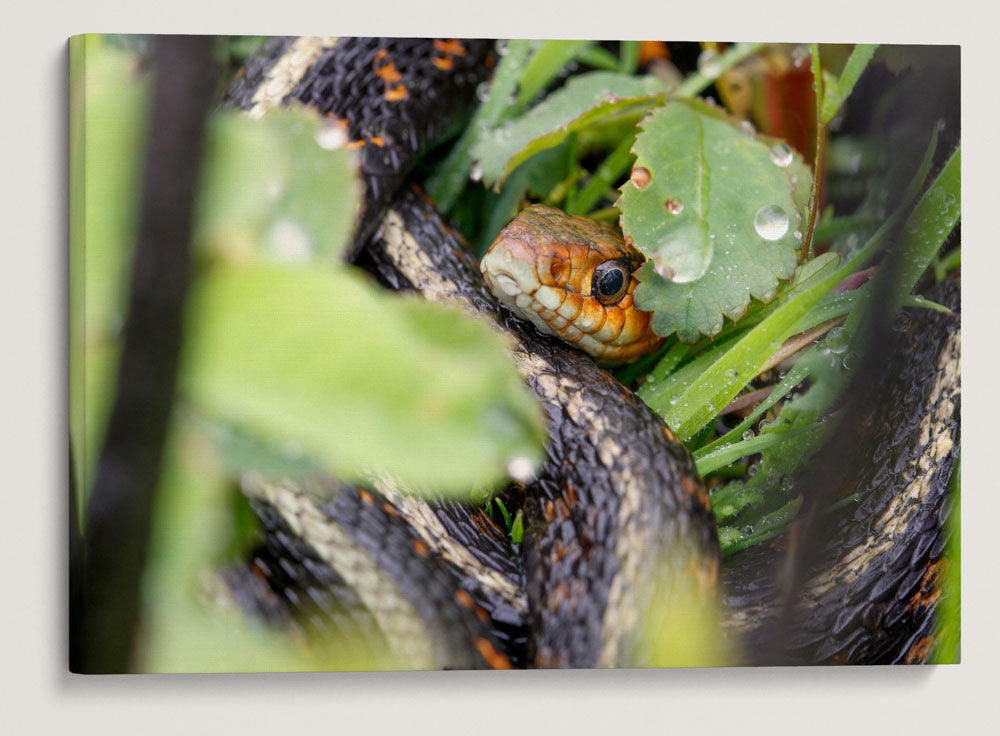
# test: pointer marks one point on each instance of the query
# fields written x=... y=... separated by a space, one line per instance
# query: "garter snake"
x=618 y=519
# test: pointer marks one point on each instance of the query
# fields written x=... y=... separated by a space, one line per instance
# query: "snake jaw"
x=508 y=268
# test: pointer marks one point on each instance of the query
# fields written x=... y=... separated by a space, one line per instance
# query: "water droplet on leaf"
x=836 y=340
x=800 y=56
x=332 y=136
x=521 y=469
x=640 y=176
x=709 y=64
x=288 y=242
x=781 y=155
x=770 y=222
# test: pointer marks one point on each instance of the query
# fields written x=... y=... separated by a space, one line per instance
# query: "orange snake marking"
x=542 y=266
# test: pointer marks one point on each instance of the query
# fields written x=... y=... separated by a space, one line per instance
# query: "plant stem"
x=119 y=510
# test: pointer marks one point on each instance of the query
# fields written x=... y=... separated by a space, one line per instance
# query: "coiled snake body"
x=618 y=523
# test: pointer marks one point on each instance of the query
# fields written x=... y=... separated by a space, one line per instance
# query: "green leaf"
x=358 y=379
x=107 y=133
x=296 y=198
x=796 y=435
x=948 y=624
x=268 y=189
x=703 y=213
x=241 y=452
x=588 y=100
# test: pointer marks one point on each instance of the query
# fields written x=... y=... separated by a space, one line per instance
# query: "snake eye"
x=610 y=282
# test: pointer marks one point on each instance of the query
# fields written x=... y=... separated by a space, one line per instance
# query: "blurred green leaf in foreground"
x=284 y=343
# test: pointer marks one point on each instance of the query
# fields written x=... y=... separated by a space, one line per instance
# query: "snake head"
x=574 y=279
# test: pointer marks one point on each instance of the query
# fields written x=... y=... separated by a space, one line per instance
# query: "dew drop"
x=781 y=155
x=289 y=242
x=709 y=64
x=836 y=340
x=521 y=469
x=685 y=250
x=332 y=136
x=748 y=435
x=674 y=206
x=800 y=56
x=274 y=188
x=661 y=267
x=476 y=174
x=640 y=176
x=747 y=127
x=770 y=222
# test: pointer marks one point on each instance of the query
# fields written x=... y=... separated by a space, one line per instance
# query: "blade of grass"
x=600 y=58
x=793 y=378
x=629 y=57
x=610 y=170
x=836 y=94
x=914 y=300
x=725 y=455
x=948 y=264
x=697 y=83
x=925 y=231
x=545 y=64
x=733 y=540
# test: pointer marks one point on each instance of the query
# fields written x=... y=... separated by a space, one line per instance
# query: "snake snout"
x=507 y=271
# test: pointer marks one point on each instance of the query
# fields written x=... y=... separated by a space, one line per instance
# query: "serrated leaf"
x=359 y=380
x=702 y=213
x=587 y=100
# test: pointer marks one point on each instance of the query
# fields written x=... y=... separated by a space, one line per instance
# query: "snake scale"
x=618 y=521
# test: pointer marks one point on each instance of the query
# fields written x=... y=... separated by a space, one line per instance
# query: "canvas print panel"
x=395 y=353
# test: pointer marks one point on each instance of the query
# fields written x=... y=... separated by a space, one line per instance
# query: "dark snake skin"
x=618 y=518
x=397 y=95
x=619 y=494
x=875 y=588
